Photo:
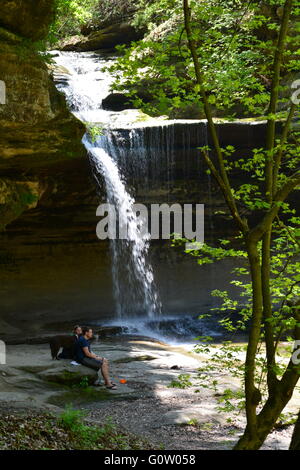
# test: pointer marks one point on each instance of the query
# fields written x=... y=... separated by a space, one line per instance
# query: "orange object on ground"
x=123 y=381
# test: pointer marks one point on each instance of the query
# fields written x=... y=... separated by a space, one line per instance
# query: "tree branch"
x=271 y=124
x=292 y=182
x=284 y=135
x=208 y=112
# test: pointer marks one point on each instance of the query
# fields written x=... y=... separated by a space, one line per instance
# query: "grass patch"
x=69 y=431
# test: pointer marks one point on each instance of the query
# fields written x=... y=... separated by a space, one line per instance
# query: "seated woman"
x=69 y=350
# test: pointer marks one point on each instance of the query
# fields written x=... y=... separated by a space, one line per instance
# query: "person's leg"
x=105 y=372
x=101 y=367
x=95 y=365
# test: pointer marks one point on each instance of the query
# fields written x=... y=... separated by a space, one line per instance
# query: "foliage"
x=73 y=421
x=94 y=131
x=73 y=15
x=236 y=61
x=70 y=16
x=90 y=436
x=234 y=315
x=27 y=198
x=285 y=268
x=269 y=232
x=84 y=382
x=225 y=401
x=183 y=381
x=111 y=11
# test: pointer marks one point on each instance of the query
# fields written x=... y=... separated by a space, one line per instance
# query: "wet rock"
x=108 y=331
x=125 y=360
x=242 y=134
x=116 y=102
x=106 y=38
x=45 y=176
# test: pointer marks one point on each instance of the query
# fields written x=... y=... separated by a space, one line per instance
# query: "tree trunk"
x=265 y=420
x=295 y=443
x=279 y=392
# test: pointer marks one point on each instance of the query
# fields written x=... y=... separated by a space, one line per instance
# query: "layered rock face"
x=28 y=18
x=36 y=129
x=45 y=177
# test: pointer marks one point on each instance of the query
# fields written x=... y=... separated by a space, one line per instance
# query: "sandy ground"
x=171 y=418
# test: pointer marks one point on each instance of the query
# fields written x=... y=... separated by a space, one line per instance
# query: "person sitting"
x=84 y=356
x=68 y=351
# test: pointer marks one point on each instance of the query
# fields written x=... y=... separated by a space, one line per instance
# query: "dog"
x=62 y=341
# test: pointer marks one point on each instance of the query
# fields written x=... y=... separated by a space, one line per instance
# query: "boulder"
x=109 y=331
x=65 y=374
x=106 y=38
x=116 y=102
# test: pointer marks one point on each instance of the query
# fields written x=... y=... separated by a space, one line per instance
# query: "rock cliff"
x=45 y=177
x=37 y=132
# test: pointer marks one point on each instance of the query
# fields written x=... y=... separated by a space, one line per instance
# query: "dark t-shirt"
x=80 y=344
x=69 y=352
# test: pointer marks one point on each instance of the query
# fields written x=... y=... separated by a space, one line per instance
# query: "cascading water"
x=143 y=154
x=132 y=273
x=133 y=280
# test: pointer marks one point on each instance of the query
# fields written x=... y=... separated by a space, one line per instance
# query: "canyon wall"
x=53 y=269
x=45 y=177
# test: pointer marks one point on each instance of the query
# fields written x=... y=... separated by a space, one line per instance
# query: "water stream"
x=129 y=149
x=85 y=87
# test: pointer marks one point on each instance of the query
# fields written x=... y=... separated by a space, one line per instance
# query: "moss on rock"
x=69 y=375
x=29 y=18
x=37 y=131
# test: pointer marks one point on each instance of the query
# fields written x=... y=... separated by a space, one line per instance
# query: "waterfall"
x=145 y=154
x=133 y=280
x=154 y=161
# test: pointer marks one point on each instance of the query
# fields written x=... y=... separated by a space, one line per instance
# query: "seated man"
x=84 y=356
x=68 y=351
